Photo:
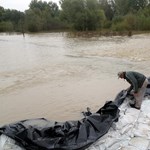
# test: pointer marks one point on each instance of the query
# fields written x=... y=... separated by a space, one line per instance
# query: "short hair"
x=120 y=73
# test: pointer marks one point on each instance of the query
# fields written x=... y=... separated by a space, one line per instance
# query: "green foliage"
x=121 y=23
x=133 y=21
x=143 y=19
x=107 y=6
x=121 y=26
x=137 y=4
x=83 y=15
x=33 y=20
x=1 y=13
x=38 y=4
x=117 y=19
x=9 y=19
x=70 y=9
x=121 y=7
x=42 y=16
x=6 y=26
x=130 y=20
x=107 y=24
x=12 y=15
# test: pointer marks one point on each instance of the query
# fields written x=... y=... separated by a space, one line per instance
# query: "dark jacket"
x=135 y=79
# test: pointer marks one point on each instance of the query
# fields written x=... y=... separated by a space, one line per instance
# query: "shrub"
x=6 y=26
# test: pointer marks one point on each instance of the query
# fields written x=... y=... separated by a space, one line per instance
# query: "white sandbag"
x=128 y=116
x=126 y=129
x=131 y=132
x=143 y=119
x=145 y=109
x=148 y=147
x=142 y=130
x=7 y=143
x=118 y=145
x=139 y=142
x=129 y=148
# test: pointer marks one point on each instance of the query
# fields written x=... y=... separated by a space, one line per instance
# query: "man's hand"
x=135 y=94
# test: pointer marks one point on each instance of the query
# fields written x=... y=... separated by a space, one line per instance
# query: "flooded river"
x=54 y=76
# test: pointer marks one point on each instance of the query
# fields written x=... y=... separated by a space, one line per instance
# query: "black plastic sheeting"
x=41 y=134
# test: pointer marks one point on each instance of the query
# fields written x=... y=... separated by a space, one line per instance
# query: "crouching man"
x=138 y=86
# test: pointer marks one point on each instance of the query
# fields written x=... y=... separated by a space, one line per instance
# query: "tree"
x=82 y=14
x=1 y=13
x=11 y=19
x=107 y=6
x=137 y=4
x=42 y=16
x=6 y=26
x=33 y=20
x=123 y=7
x=38 y=4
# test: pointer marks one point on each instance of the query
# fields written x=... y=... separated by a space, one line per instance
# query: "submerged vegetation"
x=79 y=15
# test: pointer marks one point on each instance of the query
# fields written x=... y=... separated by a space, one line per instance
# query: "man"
x=138 y=86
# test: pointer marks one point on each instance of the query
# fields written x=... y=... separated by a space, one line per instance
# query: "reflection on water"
x=53 y=57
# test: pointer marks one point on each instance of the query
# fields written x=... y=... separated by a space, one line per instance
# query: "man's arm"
x=133 y=81
x=129 y=89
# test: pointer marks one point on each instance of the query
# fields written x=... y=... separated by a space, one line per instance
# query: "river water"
x=55 y=76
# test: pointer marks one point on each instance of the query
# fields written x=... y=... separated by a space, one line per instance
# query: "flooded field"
x=56 y=77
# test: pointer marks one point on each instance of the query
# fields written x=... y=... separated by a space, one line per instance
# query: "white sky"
x=20 y=5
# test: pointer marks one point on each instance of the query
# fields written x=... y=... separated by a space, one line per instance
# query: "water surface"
x=51 y=75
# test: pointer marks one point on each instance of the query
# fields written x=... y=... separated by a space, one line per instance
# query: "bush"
x=6 y=26
x=130 y=21
x=107 y=24
x=143 y=23
x=117 y=19
x=121 y=26
x=32 y=28
x=143 y=19
x=147 y=24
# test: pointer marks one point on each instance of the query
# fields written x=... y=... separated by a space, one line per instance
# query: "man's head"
x=121 y=75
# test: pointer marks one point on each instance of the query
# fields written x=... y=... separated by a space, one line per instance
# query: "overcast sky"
x=20 y=5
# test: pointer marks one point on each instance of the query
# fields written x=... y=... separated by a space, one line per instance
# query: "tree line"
x=80 y=15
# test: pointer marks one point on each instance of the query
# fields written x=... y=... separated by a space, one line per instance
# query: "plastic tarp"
x=41 y=134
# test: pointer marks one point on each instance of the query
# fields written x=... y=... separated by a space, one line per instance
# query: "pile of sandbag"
x=131 y=132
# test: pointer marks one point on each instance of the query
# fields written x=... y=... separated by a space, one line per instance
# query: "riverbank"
x=106 y=33
x=131 y=132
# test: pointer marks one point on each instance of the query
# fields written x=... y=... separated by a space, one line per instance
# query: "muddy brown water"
x=56 y=77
